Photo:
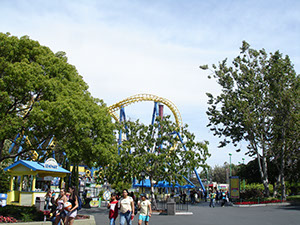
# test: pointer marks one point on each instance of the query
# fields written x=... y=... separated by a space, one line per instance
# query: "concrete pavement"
x=204 y=215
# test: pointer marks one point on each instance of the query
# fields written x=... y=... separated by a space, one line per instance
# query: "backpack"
x=79 y=203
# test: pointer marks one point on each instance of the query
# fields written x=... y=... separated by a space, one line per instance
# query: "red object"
x=113 y=212
x=132 y=216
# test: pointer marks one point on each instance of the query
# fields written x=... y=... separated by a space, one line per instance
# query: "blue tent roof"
x=188 y=186
x=36 y=166
x=165 y=184
x=143 y=183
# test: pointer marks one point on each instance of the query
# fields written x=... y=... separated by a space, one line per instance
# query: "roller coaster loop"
x=145 y=97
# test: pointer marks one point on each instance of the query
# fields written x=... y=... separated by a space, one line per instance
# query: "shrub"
x=24 y=213
x=252 y=191
x=4 y=181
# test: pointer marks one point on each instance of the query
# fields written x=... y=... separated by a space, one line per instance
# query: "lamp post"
x=230 y=165
x=143 y=177
x=244 y=177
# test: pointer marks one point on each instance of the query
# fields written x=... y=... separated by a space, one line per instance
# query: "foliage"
x=156 y=151
x=41 y=96
x=252 y=191
x=4 y=181
x=75 y=176
x=24 y=213
x=258 y=104
x=293 y=198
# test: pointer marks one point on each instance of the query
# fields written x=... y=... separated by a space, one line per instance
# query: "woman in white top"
x=60 y=214
x=126 y=208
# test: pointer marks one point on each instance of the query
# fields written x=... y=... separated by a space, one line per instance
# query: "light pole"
x=230 y=165
x=143 y=177
x=244 y=177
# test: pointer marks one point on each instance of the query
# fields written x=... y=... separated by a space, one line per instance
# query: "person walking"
x=72 y=213
x=217 y=196
x=60 y=212
x=113 y=209
x=126 y=208
x=212 y=196
x=48 y=199
x=145 y=210
x=224 y=198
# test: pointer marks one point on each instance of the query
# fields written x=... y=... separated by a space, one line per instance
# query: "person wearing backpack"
x=212 y=196
x=72 y=213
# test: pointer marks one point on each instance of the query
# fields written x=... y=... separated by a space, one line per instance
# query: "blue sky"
x=123 y=48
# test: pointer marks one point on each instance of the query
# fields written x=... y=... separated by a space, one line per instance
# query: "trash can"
x=3 y=198
x=40 y=203
x=171 y=207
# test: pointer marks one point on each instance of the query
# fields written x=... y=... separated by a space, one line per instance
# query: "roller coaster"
x=157 y=111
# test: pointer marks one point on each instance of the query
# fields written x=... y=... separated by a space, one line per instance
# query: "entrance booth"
x=30 y=179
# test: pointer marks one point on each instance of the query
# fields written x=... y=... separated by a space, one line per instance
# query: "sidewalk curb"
x=265 y=204
x=90 y=221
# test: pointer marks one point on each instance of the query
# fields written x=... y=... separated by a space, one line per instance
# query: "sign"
x=94 y=203
x=234 y=187
x=48 y=178
x=106 y=195
x=51 y=164
x=3 y=198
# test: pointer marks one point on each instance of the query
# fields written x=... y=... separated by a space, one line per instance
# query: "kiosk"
x=30 y=180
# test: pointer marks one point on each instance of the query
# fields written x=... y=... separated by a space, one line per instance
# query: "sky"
x=122 y=47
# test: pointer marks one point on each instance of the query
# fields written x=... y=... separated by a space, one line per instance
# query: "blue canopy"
x=188 y=186
x=143 y=183
x=165 y=184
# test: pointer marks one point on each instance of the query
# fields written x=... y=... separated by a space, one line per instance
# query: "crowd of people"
x=125 y=205
x=63 y=208
x=128 y=206
x=217 y=196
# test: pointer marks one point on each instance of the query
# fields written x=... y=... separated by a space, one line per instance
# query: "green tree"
x=248 y=109
x=156 y=151
x=41 y=96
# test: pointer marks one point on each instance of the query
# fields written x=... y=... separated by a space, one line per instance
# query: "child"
x=145 y=210
x=113 y=209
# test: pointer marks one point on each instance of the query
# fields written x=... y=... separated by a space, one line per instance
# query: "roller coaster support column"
x=122 y=118
x=155 y=113
x=197 y=175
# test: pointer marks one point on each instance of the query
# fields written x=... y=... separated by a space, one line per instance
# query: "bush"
x=252 y=191
x=24 y=213
x=4 y=181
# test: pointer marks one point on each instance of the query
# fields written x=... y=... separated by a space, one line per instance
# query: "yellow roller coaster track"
x=145 y=97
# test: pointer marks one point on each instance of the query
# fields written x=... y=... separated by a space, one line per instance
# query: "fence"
x=162 y=205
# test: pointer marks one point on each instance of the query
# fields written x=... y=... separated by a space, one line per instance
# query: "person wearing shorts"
x=72 y=213
x=145 y=210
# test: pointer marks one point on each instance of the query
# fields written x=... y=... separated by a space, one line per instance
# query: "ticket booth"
x=30 y=179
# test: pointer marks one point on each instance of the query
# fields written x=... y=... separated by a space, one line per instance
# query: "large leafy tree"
x=43 y=96
x=156 y=151
x=258 y=104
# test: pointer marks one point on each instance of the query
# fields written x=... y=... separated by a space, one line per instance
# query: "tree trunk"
x=263 y=173
x=153 y=200
x=282 y=161
x=276 y=186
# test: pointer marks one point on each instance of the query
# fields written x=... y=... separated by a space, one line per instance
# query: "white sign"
x=51 y=164
x=48 y=178
x=106 y=195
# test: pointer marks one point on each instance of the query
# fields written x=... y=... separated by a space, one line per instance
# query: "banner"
x=234 y=187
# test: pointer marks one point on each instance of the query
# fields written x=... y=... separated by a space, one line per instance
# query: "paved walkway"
x=204 y=215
